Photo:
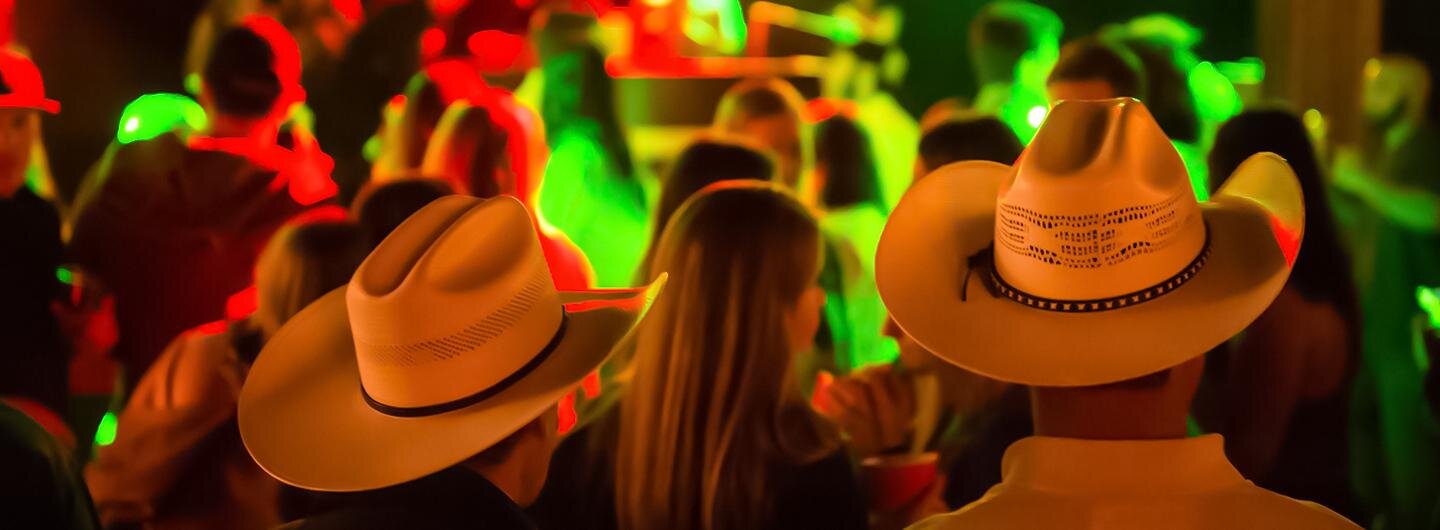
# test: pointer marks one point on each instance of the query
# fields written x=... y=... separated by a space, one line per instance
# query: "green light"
x=65 y=276
x=105 y=432
x=1036 y=116
x=1430 y=303
x=1215 y=96
x=729 y=20
x=152 y=115
x=1247 y=70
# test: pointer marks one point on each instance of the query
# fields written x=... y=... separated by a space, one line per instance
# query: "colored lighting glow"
x=152 y=115
x=1430 y=303
x=105 y=432
x=1036 y=116
x=432 y=42
x=1215 y=96
x=65 y=276
x=1247 y=70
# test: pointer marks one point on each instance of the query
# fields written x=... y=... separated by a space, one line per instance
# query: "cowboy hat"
x=21 y=85
x=449 y=338
x=1089 y=261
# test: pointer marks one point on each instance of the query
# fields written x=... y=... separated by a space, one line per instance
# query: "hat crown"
x=1100 y=205
x=453 y=302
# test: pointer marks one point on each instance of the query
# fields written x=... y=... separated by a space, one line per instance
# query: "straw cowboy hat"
x=450 y=337
x=1089 y=261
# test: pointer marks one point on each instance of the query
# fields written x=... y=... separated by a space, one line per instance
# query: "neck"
x=1089 y=414
x=261 y=131
x=506 y=476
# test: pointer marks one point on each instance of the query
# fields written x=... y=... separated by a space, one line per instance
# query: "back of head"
x=1003 y=32
x=1322 y=269
x=302 y=263
x=1093 y=59
x=240 y=74
x=980 y=138
x=757 y=98
x=578 y=90
x=702 y=163
x=842 y=151
x=712 y=408
x=469 y=151
x=1167 y=88
x=379 y=209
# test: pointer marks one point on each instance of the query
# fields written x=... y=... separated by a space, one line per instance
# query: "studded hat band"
x=998 y=287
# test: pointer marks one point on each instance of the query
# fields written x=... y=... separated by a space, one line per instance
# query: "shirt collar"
x=1070 y=465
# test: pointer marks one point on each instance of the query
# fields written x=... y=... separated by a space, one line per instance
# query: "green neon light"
x=1215 y=96
x=65 y=276
x=1036 y=116
x=729 y=32
x=1246 y=71
x=1430 y=303
x=105 y=432
x=152 y=115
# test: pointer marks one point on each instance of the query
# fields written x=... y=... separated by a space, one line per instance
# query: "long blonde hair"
x=712 y=409
x=300 y=264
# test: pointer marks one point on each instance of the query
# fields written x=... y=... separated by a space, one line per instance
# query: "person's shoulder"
x=1267 y=509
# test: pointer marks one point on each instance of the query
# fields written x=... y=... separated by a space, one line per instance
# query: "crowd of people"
x=406 y=271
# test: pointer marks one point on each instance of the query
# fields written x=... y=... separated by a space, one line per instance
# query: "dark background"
x=97 y=55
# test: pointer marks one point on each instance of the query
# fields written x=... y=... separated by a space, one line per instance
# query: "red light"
x=1287 y=239
x=432 y=42
x=495 y=50
x=238 y=306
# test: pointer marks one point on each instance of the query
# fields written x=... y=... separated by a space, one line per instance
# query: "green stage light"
x=152 y=115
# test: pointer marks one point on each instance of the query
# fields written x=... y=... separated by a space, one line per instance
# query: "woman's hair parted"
x=712 y=406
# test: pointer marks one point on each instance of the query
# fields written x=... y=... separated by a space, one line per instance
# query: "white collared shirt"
x=1173 y=484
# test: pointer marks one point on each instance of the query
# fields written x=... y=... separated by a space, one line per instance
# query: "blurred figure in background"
x=1013 y=45
x=174 y=226
x=380 y=208
x=712 y=431
x=975 y=138
x=591 y=191
x=35 y=355
x=177 y=460
x=705 y=161
x=411 y=118
x=1095 y=68
x=853 y=219
x=483 y=149
x=770 y=112
x=42 y=486
x=1393 y=189
x=1285 y=392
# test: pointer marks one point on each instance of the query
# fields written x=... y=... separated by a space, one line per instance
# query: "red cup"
x=896 y=481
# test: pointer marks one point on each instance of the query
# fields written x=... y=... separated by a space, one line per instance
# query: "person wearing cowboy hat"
x=1089 y=272
x=430 y=381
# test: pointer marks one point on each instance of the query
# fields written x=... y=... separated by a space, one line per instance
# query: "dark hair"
x=1322 y=269
x=1094 y=59
x=1003 y=32
x=1167 y=89
x=380 y=208
x=240 y=74
x=982 y=138
x=578 y=88
x=843 y=149
x=757 y=98
x=702 y=163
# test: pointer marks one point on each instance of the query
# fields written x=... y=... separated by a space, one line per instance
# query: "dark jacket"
x=580 y=491
x=42 y=486
x=34 y=356
x=174 y=232
x=455 y=498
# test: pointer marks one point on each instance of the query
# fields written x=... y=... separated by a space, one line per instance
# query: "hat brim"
x=1255 y=221
x=50 y=106
x=303 y=419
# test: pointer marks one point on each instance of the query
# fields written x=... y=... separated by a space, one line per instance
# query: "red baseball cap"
x=21 y=86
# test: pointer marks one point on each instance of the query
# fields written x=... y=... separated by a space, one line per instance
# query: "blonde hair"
x=713 y=407
x=300 y=264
